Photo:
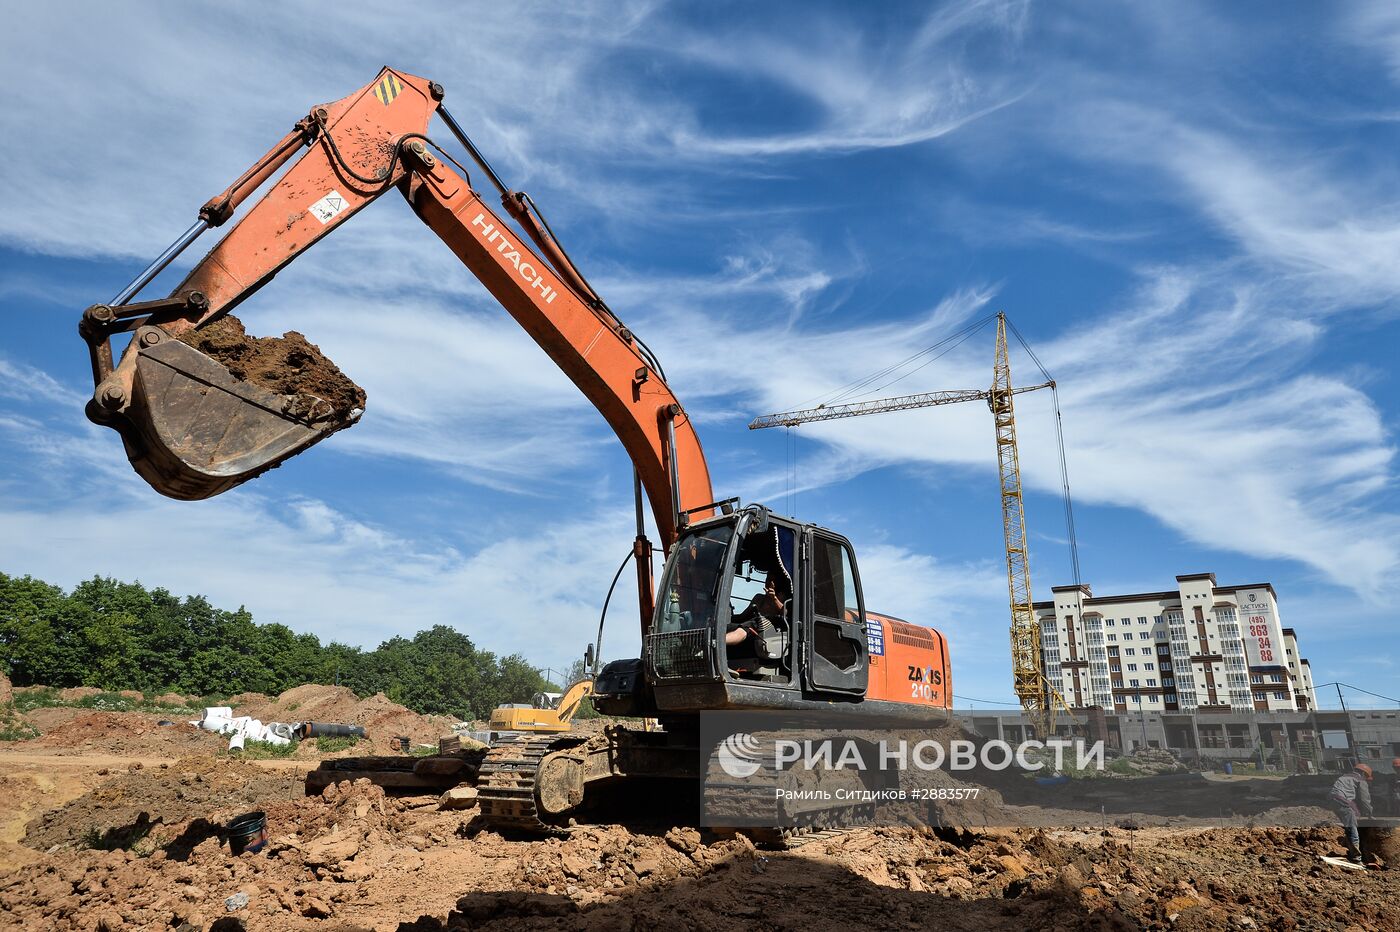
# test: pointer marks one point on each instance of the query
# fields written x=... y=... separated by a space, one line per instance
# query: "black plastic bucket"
x=248 y=832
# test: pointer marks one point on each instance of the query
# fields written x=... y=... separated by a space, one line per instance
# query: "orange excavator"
x=753 y=611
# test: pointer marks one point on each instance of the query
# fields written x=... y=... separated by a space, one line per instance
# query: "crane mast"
x=1039 y=699
x=1033 y=689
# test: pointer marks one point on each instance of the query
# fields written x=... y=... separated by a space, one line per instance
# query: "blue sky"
x=1192 y=211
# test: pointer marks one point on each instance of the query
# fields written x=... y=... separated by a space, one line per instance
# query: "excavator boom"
x=194 y=429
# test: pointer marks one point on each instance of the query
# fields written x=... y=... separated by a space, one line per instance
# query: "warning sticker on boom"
x=329 y=207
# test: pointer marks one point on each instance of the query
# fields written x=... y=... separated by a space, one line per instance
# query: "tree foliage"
x=116 y=635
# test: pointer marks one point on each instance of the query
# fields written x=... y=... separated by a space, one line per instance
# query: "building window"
x=1113 y=637
x=1109 y=622
x=1169 y=697
x=1148 y=666
x=1280 y=695
x=1151 y=682
x=1276 y=678
x=1132 y=668
x=1142 y=619
x=1130 y=651
x=1133 y=683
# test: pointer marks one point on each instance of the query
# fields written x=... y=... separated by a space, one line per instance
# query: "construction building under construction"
x=1200 y=647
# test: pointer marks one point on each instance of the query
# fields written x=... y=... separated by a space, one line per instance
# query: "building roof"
x=1175 y=594
x=1258 y=585
x=1193 y=576
x=1135 y=597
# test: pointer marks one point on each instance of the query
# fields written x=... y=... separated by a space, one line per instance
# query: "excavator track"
x=792 y=827
x=507 y=783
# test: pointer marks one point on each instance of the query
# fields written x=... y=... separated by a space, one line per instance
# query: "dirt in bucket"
x=288 y=365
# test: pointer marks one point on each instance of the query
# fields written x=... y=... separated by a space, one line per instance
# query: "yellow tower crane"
x=1039 y=698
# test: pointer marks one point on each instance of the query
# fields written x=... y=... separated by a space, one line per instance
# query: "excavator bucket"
x=192 y=429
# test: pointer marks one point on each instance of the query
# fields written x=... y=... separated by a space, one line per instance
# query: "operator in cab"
x=769 y=606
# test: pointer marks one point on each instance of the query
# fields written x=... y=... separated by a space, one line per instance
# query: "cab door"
x=834 y=646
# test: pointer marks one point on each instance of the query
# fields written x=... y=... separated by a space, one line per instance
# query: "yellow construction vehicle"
x=550 y=713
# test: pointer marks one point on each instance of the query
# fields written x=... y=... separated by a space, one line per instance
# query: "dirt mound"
x=50 y=717
x=365 y=860
x=899 y=878
x=7 y=692
x=287 y=365
x=177 y=700
x=382 y=718
x=119 y=733
x=149 y=807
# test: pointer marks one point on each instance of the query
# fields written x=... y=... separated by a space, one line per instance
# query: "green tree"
x=109 y=642
x=119 y=635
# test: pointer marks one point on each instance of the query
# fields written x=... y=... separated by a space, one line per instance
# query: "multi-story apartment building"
x=1300 y=670
x=1200 y=647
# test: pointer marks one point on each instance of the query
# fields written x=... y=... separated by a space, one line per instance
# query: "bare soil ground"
x=113 y=822
x=355 y=859
x=81 y=732
x=287 y=365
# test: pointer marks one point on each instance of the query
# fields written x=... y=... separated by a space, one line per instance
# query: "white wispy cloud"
x=26 y=383
x=867 y=92
x=1187 y=404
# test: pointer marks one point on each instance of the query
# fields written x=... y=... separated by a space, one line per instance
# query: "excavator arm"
x=193 y=430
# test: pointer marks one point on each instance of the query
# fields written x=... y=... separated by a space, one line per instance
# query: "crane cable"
x=1060 y=440
x=855 y=388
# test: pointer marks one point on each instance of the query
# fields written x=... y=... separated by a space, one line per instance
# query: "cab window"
x=834 y=602
x=694 y=579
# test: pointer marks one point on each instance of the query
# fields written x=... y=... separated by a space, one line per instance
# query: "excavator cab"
x=794 y=591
